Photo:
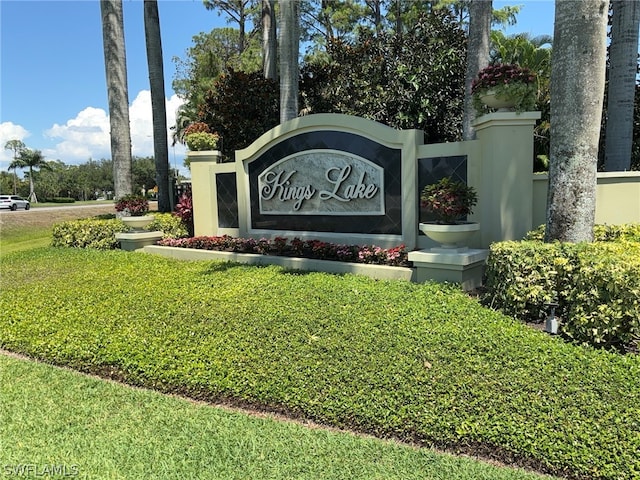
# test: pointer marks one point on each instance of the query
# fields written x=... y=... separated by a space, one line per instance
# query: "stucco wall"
x=617 y=198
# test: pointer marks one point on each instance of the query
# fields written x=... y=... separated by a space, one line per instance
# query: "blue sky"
x=52 y=79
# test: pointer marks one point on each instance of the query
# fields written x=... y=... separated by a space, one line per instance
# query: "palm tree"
x=623 y=54
x=16 y=146
x=117 y=91
x=577 y=89
x=32 y=159
x=185 y=116
x=289 y=72
x=480 y=14
x=158 y=105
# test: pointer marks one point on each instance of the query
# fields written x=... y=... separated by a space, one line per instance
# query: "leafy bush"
x=100 y=233
x=60 y=200
x=601 y=233
x=417 y=362
x=371 y=254
x=240 y=107
x=170 y=225
x=184 y=211
x=132 y=204
x=87 y=233
x=597 y=287
x=201 y=141
x=197 y=127
x=410 y=80
x=448 y=200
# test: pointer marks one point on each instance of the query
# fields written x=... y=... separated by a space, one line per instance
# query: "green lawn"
x=421 y=363
x=103 y=430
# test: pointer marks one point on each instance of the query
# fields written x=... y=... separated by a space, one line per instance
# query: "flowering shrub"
x=134 y=205
x=280 y=246
x=197 y=127
x=508 y=81
x=184 y=211
x=201 y=141
x=448 y=200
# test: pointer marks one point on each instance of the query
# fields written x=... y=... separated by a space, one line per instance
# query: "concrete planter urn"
x=138 y=223
x=450 y=236
x=502 y=104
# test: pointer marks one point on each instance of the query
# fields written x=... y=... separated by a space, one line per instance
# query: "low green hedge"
x=601 y=233
x=419 y=362
x=100 y=233
x=87 y=233
x=60 y=200
x=597 y=286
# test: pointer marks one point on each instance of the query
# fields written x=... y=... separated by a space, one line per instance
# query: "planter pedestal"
x=464 y=267
x=130 y=241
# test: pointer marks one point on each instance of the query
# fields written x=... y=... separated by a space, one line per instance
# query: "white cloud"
x=9 y=131
x=87 y=135
x=83 y=137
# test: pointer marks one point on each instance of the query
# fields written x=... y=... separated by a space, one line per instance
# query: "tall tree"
x=115 y=63
x=480 y=13
x=269 y=43
x=623 y=67
x=16 y=146
x=239 y=11
x=32 y=159
x=577 y=89
x=289 y=39
x=158 y=104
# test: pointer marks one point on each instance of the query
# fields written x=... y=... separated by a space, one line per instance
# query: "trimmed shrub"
x=87 y=233
x=597 y=286
x=60 y=200
x=100 y=233
x=601 y=233
x=169 y=224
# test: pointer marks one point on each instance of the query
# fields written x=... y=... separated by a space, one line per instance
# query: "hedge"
x=597 y=287
x=100 y=233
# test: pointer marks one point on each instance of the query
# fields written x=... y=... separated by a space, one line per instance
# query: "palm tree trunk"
x=480 y=12
x=158 y=104
x=117 y=91
x=269 y=39
x=289 y=40
x=577 y=89
x=623 y=54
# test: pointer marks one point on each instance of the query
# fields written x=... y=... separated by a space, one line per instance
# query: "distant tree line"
x=87 y=181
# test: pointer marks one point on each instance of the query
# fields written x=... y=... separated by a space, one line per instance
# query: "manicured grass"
x=22 y=230
x=417 y=362
x=17 y=239
x=103 y=430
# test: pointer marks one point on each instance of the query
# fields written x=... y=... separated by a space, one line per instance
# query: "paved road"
x=44 y=216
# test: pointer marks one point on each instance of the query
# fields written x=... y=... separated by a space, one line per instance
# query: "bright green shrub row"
x=100 y=233
x=169 y=224
x=419 y=362
x=597 y=287
x=87 y=233
x=601 y=233
x=60 y=200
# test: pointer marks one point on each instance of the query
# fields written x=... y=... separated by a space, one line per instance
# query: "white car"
x=14 y=202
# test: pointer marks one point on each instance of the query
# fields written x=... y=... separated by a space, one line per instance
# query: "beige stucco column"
x=203 y=189
x=504 y=207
